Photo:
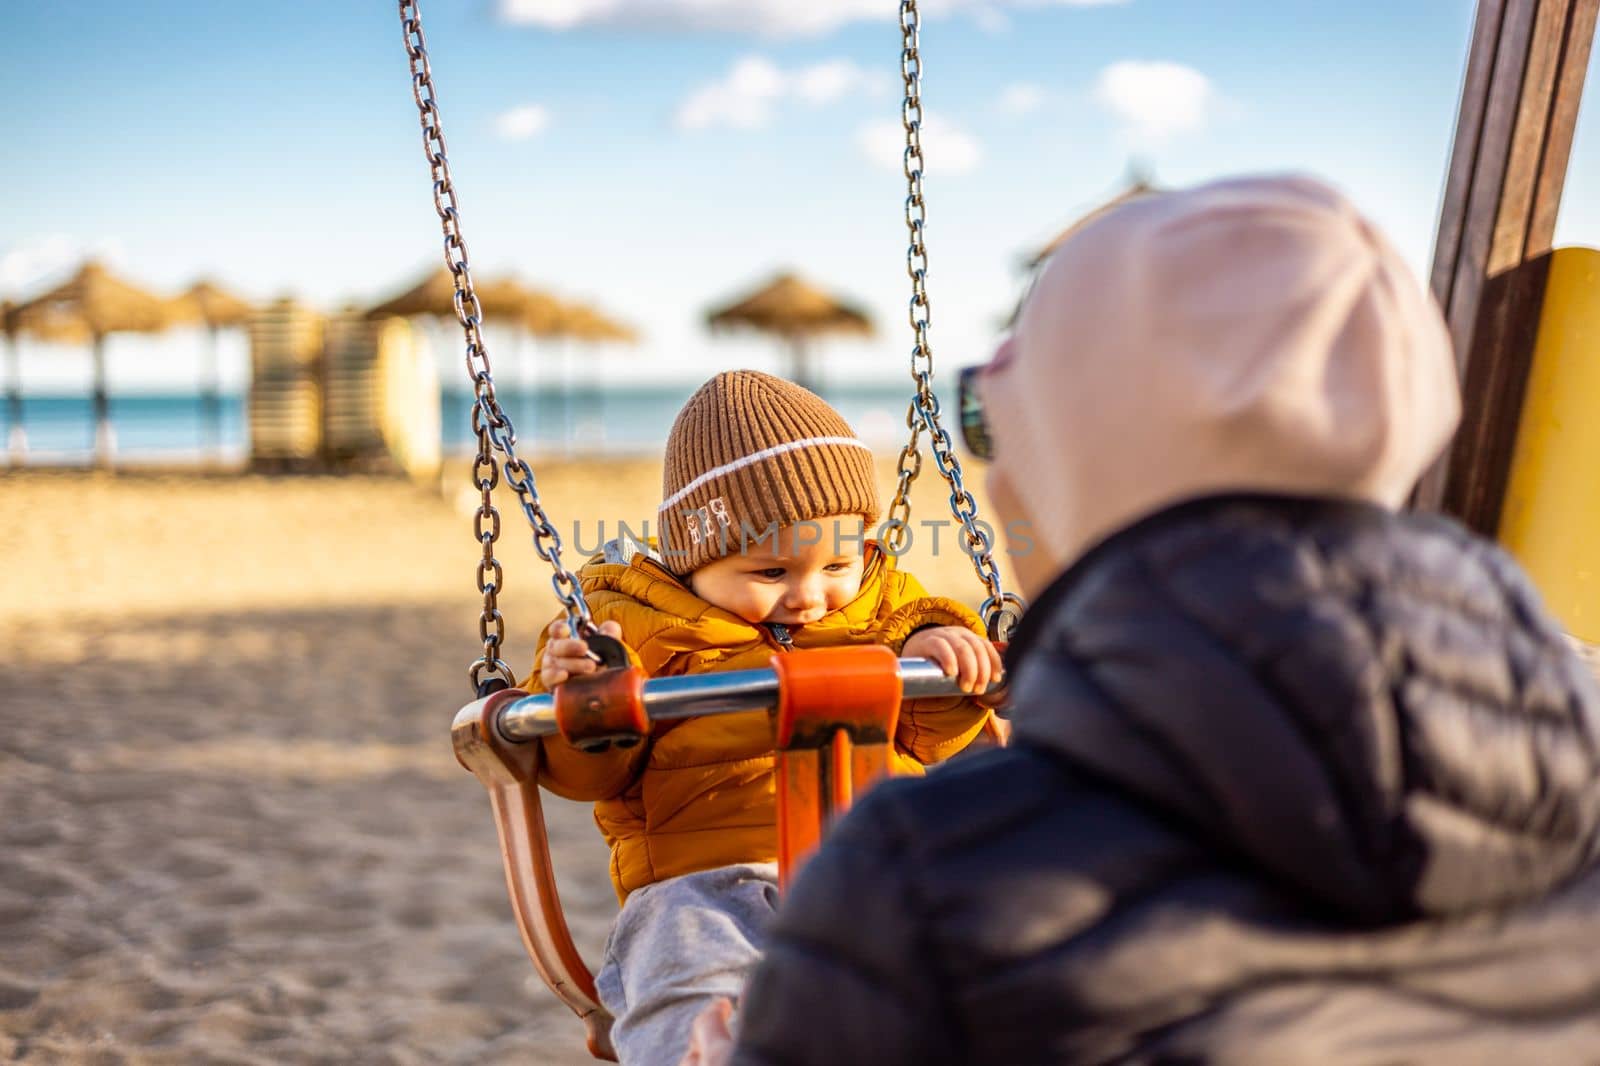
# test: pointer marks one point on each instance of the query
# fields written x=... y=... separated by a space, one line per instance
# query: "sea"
x=622 y=421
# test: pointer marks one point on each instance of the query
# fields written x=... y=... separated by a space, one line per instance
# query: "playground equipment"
x=834 y=710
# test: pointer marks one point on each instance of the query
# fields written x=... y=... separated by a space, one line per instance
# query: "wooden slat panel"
x=1469 y=128
x=1491 y=147
x=1502 y=193
x=1497 y=375
x=1469 y=131
x=1526 y=158
x=1563 y=124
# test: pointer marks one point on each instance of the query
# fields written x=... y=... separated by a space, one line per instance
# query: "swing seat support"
x=835 y=715
x=510 y=773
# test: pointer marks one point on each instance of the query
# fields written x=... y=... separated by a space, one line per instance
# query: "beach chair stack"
x=341 y=392
x=286 y=341
x=352 y=412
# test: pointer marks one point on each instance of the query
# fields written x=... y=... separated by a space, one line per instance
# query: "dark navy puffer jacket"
x=1292 y=782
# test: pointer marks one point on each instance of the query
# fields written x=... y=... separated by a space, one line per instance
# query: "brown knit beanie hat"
x=749 y=451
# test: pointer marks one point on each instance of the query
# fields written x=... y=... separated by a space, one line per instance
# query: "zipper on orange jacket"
x=780 y=635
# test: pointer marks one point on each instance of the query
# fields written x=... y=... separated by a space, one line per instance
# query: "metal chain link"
x=490 y=424
x=1001 y=610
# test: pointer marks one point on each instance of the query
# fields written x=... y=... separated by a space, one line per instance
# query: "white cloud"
x=834 y=80
x=747 y=96
x=1021 y=98
x=1156 y=101
x=769 y=18
x=523 y=122
x=32 y=265
x=991 y=20
x=946 y=147
x=743 y=99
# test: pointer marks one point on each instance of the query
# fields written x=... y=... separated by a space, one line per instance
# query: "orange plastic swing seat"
x=834 y=726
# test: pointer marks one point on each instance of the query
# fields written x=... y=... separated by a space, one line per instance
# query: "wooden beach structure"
x=1524 y=316
x=285 y=387
x=380 y=397
x=340 y=392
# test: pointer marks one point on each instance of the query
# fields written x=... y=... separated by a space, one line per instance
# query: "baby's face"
x=795 y=577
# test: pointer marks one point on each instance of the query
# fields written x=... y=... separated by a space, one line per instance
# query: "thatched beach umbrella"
x=543 y=315
x=797 y=312
x=215 y=308
x=98 y=304
x=1139 y=188
x=586 y=324
x=504 y=301
x=50 y=328
x=16 y=438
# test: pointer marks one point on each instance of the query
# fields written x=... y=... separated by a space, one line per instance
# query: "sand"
x=233 y=830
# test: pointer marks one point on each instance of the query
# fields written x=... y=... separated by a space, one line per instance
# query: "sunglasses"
x=974 y=430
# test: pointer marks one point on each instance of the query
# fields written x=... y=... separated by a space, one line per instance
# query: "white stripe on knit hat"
x=756 y=457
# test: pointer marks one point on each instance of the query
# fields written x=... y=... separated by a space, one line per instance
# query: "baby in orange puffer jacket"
x=767 y=495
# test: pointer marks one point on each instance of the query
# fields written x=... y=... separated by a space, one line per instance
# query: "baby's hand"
x=960 y=653
x=566 y=656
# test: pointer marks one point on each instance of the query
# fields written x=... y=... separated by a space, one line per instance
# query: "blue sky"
x=658 y=156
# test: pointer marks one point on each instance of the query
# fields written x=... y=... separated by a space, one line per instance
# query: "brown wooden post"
x=1519 y=108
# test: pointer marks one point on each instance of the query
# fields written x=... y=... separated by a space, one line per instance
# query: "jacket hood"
x=1372 y=707
x=1251 y=335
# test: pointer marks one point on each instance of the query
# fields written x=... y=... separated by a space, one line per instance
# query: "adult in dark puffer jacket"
x=1295 y=778
x=1291 y=782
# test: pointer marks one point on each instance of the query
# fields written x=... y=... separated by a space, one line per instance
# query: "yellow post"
x=1551 y=516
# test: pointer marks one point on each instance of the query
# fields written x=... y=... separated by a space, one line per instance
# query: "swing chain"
x=490 y=424
x=1001 y=610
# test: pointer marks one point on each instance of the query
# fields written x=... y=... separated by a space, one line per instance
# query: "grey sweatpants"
x=677 y=946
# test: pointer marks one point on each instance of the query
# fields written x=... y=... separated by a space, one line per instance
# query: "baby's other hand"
x=567 y=656
x=960 y=653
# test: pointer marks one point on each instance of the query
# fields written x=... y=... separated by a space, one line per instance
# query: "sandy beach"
x=233 y=829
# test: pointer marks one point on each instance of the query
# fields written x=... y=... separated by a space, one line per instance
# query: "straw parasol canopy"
x=102 y=302
x=17 y=439
x=96 y=302
x=543 y=315
x=585 y=323
x=214 y=307
x=795 y=311
x=1137 y=190
x=52 y=328
x=502 y=300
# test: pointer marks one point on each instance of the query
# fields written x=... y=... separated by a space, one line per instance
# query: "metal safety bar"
x=729 y=692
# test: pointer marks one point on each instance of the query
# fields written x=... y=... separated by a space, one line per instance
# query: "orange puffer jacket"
x=700 y=794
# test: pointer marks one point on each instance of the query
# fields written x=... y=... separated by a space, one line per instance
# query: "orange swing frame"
x=834 y=724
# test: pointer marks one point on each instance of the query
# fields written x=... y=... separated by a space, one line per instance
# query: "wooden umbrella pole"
x=800 y=356
x=568 y=445
x=528 y=392
x=17 y=437
x=211 y=393
x=104 y=439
